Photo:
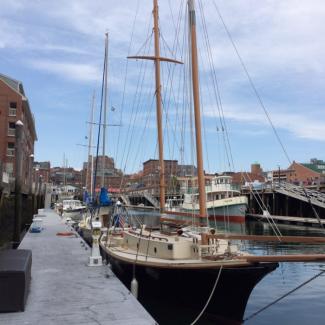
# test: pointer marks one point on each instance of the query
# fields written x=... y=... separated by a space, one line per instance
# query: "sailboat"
x=193 y=269
x=100 y=210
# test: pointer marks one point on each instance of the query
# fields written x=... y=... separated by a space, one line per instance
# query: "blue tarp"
x=104 y=198
x=86 y=198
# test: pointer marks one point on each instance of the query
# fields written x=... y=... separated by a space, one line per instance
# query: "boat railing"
x=207 y=250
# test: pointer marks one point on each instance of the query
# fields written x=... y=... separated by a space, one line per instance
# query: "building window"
x=11 y=129
x=11 y=149
x=12 y=109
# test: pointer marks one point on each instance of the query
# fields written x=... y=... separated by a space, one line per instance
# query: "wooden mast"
x=157 y=58
x=159 y=109
x=197 y=113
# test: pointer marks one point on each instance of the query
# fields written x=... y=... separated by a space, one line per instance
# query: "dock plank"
x=64 y=290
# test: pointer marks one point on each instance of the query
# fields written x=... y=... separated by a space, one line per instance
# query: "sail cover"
x=104 y=198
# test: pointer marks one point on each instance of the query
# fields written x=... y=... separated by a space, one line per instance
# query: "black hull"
x=178 y=296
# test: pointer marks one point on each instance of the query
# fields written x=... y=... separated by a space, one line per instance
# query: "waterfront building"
x=113 y=177
x=151 y=176
x=66 y=176
x=14 y=106
x=310 y=174
x=42 y=169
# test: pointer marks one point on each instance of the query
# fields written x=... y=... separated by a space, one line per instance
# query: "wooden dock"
x=288 y=220
x=64 y=290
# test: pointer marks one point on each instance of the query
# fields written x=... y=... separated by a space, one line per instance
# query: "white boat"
x=73 y=209
x=223 y=202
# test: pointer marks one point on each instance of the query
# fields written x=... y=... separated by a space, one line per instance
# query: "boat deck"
x=66 y=291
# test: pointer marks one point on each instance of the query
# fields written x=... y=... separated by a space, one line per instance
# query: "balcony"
x=12 y=111
x=10 y=152
x=11 y=132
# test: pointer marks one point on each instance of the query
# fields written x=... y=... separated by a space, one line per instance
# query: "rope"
x=282 y=297
x=208 y=301
x=125 y=79
x=251 y=82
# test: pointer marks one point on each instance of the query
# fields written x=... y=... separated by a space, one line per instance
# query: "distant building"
x=186 y=170
x=66 y=176
x=113 y=177
x=14 y=106
x=43 y=170
x=151 y=175
x=255 y=175
x=310 y=174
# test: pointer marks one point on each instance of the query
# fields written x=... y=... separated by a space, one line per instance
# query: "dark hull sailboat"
x=177 y=296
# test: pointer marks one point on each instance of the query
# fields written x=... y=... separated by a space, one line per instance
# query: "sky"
x=56 y=48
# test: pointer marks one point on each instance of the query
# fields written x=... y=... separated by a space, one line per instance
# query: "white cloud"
x=69 y=70
x=297 y=124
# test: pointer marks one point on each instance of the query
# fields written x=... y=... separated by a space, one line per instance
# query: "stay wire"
x=259 y=98
x=125 y=81
x=284 y=296
x=100 y=122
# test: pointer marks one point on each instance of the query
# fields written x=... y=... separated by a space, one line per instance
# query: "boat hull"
x=186 y=291
x=231 y=213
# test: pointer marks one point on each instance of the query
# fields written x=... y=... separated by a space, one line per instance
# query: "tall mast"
x=158 y=108
x=197 y=112
x=157 y=58
x=105 y=108
x=90 y=144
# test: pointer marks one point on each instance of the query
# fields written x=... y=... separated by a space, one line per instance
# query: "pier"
x=64 y=290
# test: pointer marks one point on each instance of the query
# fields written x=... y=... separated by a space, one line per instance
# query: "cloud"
x=68 y=70
x=298 y=125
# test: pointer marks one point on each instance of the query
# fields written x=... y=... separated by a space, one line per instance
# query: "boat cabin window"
x=170 y=247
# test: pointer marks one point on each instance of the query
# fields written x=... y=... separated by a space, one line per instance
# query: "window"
x=12 y=109
x=10 y=149
x=11 y=129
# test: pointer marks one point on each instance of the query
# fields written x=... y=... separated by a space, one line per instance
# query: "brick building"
x=255 y=175
x=14 y=106
x=66 y=176
x=150 y=178
x=42 y=169
x=112 y=176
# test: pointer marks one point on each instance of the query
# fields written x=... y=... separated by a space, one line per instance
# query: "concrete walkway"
x=66 y=291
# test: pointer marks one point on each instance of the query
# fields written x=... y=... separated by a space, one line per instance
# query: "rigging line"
x=144 y=44
x=262 y=206
x=208 y=301
x=217 y=91
x=141 y=139
x=143 y=65
x=312 y=207
x=284 y=296
x=259 y=98
x=132 y=137
x=125 y=80
x=204 y=121
x=140 y=144
x=99 y=126
x=136 y=117
x=136 y=103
